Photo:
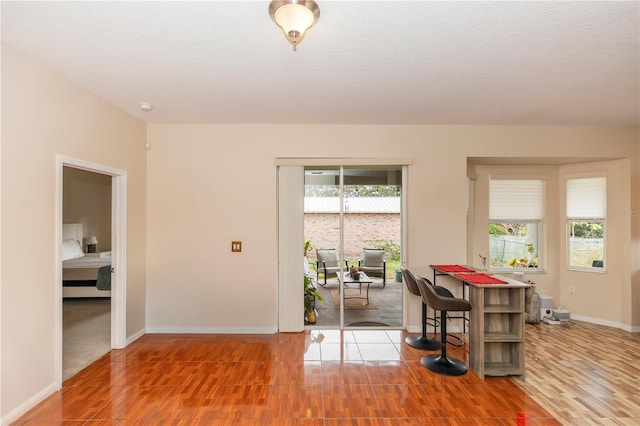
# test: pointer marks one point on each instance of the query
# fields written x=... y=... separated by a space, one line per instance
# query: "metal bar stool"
x=441 y=363
x=423 y=341
x=445 y=292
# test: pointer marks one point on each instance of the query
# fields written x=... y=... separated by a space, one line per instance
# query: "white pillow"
x=71 y=249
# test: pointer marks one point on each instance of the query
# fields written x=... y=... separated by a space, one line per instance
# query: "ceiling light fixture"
x=295 y=17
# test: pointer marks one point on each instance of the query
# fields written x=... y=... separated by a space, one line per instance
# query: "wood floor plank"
x=350 y=401
x=404 y=400
x=390 y=372
x=295 y=402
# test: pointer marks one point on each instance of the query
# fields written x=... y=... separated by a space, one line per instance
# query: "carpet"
x=351 y=303
x=86 y=333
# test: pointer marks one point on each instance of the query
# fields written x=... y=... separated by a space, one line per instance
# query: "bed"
x=83 y=274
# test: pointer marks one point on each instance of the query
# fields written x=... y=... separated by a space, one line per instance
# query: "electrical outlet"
x=572 y=290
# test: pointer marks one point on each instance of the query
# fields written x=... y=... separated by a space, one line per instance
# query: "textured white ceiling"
x=385 y=62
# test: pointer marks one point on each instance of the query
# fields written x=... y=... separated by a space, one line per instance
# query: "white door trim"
x=118 y=249
x=290 y=236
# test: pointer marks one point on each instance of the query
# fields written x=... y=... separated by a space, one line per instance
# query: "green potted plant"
x=307 y=246
x=310 y=292
x=310 y=297
x=354 y=272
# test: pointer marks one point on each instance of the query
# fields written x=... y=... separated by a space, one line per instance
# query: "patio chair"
x=373 y=264
x=327 y=262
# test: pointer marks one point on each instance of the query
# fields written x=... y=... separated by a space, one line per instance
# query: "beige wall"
x=44 y=115
x=195 y=282
x=603 y=296
x=635 y=239
x=86 y=199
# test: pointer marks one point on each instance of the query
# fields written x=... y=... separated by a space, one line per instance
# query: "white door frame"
x=290 y=227
x=118 y=249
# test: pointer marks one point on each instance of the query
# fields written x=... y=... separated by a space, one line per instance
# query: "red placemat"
x=480 y=279
x=452 y=268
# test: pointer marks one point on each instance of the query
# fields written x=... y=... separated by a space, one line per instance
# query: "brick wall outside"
x=324 y=231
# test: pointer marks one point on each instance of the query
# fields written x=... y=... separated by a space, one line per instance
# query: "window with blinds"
x=586 y=219
x=516 y=209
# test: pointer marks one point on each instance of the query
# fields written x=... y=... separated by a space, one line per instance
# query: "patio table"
x=345 y=279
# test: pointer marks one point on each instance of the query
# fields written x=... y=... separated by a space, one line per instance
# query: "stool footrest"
x=459 y=342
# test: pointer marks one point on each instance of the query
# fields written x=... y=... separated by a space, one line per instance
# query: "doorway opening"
x=86 y=247
x=353 y=222
x=94 y=227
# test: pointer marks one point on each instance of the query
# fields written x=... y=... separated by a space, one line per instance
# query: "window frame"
x=540 y=236
x=570 y=219
x=586 y=218
x=594 y=269
x=539 y=222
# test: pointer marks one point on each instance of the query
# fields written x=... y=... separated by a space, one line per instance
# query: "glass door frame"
x=341 y=246
x=288 y=290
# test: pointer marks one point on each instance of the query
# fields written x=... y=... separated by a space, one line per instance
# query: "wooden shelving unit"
x=496 y=332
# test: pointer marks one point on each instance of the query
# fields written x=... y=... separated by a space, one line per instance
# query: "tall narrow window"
x=516 y=209
x=586 y=213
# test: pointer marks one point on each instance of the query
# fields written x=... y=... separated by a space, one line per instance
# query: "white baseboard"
x=135 y=336
x=20 y=410
x=606 y=323
x=210 y=330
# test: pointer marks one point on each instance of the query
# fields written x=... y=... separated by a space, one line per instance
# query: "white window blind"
x=587 y=198
x=521 y=200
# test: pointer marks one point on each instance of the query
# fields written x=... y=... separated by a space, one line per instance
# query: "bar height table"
x=452 y=270
x=496 y=332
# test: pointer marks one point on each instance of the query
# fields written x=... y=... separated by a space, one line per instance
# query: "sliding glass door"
x=353 y=224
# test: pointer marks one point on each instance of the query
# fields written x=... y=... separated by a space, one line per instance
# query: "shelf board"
x=502 y=309
x=502 y=369
x=492 y=337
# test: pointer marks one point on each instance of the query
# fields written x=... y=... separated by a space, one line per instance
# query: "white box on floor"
x=546 y=305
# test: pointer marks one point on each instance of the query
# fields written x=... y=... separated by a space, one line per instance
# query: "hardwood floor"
x=584 y=374
x=576 y=374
